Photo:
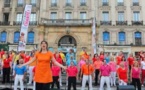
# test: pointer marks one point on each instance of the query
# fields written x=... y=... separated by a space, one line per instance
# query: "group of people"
x=45 y=69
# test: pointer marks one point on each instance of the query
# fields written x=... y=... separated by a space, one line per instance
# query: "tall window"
x=6 y=18
x=16 y=36
x=83 y=2
x=68 y=15
x=121 y=16
x=105 y=16
x=7 y=3
x=30 y=38
x=53 y=2
x=136 y=16
x=135 y=2
x=138 y=38
x=53 y=15
x=3 y=37
x=106 y=37
x=33 y=17
x=19 y=17
x=120 y=2
x=83 y=15
x=121 y=37
x=105 y=2
x=68 y=2
x=20 y=2
x=33 y=2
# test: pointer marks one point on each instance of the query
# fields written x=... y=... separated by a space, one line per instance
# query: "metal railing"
x=66 y=21
x=20 y=5
x=4 y=23
x=53 y=4
x=135 y=3
x=137 y=22
x=19 y=23
x=105 y=4
x=68 y=4
x=7 y=5
x=120 y=4
x=83 y=4
x=105 y=22
x=121 y=22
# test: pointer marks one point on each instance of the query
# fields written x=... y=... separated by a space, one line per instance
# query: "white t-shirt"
x=143 y=65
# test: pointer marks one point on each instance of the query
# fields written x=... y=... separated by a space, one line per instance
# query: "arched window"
x=121 y=37
x=106 y=37
x=16 y=36
x=138 y=38
x=3 y=37
x=30 y=38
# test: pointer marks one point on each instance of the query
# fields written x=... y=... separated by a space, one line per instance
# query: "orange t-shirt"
x=43 y=72
x=122 y=74
x=98 y=64
x=33 y=63
x=87 y=70
x=119 y=59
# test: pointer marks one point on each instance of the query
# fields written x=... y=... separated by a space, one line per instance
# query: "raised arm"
x=29 y=62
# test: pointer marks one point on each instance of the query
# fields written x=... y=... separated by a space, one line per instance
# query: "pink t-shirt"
x=136 y=72
x=113 y=66
x=81 y=63
x=101 y=57
x=55 y=70
x=72 y=71
x=105 y=70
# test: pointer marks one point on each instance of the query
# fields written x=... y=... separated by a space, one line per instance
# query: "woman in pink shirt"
x=56 y=73
x=72 y=72
x=113 y=66
x=135 y=75
x=80 y=64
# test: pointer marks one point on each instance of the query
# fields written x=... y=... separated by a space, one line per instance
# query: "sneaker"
x=28 y=83
x=60 y=84
x=142 y=85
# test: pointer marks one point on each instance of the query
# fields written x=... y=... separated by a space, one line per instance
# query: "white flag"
x=24 y=28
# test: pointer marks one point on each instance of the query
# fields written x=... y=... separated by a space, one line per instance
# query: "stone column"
x=142 y=10
x=113 y=12
x=128 y=11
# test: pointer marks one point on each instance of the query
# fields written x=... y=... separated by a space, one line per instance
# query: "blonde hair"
x=111 y=59
x=134 y=63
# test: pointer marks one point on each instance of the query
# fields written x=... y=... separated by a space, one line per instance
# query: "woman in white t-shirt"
x=143 y=71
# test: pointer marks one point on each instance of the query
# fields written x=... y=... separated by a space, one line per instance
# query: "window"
x=33 y=2
x=121 y=16
x=33 y=17
x=121 y=38
x=105 y=16
x=120 y=2
x=106 y=37
x=53 y=2
x=135 y=2
x=7 y=3
x=83 y=2
x=138 y=38
x=53 y=15
x=30 y=38
x=136 y=16
x=3 y=36
x=6 y=18
x=20 y=2
x=105 y=2
x=68 y=15
x=16 y=36
x=68 y=2
x=82 y=15
x=19 y=17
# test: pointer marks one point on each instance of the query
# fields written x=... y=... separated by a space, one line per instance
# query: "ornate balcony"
x=137 y=22
x=19 y=23
x=65 y=22
x=121 y=22
x=4 y=23
x=105 y=22
x=135 y=3
x=105 y=4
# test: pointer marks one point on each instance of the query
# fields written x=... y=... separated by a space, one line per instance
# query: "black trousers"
x=6 y=75
x=136 y=82
x=96 y=76
x=72 y=80
x=42 y=86
x=55 y=81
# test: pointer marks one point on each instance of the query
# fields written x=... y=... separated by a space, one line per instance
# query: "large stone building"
x=67 y=24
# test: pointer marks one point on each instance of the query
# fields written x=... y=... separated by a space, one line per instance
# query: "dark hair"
x=46 y=46
x=17 y=62
x=95 y=54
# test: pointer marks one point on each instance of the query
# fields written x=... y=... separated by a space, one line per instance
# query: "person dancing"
x=43 y=74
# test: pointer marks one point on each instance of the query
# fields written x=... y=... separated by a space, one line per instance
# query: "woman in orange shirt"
x=43 y=73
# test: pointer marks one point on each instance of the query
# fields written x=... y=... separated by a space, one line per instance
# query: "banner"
x=24 y=28
x=94 y=46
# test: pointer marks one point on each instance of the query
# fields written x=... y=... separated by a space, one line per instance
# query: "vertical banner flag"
x=94 y=47
x=24 y=28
